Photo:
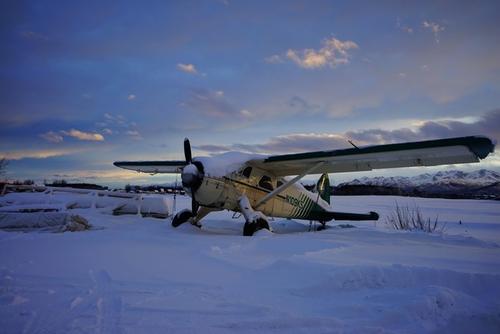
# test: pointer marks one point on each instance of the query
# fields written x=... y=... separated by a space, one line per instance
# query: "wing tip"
x=481 y=146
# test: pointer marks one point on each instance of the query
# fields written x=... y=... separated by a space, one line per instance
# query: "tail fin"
x=323 y=187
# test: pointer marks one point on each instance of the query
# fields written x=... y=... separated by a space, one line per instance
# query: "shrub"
x=411 y=219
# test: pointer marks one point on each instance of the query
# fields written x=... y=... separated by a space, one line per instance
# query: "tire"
x=251 y=227
x=181 y=218
x=261 y=224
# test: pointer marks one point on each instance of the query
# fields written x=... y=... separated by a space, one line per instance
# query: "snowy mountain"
x=452 y=183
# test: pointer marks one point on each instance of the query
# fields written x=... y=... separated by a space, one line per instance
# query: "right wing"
x=153 y=167
x=423 y=153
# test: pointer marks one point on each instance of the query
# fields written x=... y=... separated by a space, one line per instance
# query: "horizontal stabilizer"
x=354 y=216
x=329 y=215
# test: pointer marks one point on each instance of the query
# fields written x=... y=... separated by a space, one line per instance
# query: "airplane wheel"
x=251 y=227
x=181 y=218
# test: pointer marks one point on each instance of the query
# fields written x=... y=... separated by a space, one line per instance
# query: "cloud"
x=297 y=142
x=34 y=36
x=246 y=114
x=333 y=53
x=134 y=134
x=55 y=137
x=188 y=68
x=115 y=121
x=213 y=104
x=301 y=106
x=303 y=142
x=131 y=97
x=52 y=137
x=37 y=154
x=118 y=124
x=100 y=174
x=405 y=28
x=274 y=59
x=486 y=125
x=80 y=135
x=434 y=28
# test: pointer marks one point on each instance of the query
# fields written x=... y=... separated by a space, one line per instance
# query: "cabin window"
x=265 y=182
x=247 y=171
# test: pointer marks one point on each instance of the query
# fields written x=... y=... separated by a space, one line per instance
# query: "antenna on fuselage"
x=350 y=142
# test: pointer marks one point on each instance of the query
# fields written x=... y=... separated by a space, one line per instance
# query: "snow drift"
x=134 y=274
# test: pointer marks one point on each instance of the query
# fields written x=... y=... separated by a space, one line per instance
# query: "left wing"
x=423 y=153
x=173 y=166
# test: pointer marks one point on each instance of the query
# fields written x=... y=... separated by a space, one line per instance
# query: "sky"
x=86 y=83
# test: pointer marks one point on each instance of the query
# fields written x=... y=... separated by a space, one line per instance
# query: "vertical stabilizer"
x=323 y=187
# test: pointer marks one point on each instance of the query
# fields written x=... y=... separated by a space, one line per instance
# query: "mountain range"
x=449 y=184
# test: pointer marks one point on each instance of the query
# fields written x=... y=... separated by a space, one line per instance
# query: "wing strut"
x=285 y=185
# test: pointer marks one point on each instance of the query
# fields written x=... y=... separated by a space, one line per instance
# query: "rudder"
x=323 y=187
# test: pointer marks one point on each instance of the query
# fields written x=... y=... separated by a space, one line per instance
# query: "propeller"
x=192 y=175
x=187 y=151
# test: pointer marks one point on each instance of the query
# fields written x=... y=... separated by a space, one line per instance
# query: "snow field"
x=139 y=275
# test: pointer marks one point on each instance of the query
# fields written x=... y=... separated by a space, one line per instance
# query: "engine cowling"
x=192 y=176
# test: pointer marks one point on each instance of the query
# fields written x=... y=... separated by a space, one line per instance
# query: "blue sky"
x=87 y=83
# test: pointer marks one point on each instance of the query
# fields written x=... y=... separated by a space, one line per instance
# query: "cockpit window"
x=247 y=171
x=265 y=182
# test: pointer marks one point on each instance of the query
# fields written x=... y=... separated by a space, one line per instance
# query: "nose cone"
x=191 y=176
x=188 y=179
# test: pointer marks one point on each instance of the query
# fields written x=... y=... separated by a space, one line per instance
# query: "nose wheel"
x=253 y=226
x=187 y=215
x=181 y=217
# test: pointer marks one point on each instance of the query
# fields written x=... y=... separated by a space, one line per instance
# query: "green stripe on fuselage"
x=307 y=207
x=297 y=204
x=303 y=206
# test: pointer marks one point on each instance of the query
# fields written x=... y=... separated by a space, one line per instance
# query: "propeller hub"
x=192 y=176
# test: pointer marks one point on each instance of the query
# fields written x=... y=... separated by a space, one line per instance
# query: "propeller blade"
x=194 y=204
x=187 y=151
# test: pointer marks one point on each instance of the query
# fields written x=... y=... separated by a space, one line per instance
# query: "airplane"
x=259 y=187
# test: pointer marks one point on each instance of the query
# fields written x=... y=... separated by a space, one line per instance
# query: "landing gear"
x=314 y=227
x=187 y=215
x=181 y=217
x=254 y=220
x=251 y=227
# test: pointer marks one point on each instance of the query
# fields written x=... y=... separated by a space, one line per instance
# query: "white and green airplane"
x=260 y=186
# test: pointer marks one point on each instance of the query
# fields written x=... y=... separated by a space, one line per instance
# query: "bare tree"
x=3 y=166
x=407 y=218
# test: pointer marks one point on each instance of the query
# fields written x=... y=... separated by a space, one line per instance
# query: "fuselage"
x=223 y=192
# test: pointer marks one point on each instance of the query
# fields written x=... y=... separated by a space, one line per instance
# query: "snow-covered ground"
x=130 y=274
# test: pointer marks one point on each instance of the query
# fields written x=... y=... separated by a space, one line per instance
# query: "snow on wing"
x=172 y=166
x=422 y=153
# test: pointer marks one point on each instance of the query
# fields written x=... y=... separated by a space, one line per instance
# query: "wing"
x=423 y=153
x=152 y=166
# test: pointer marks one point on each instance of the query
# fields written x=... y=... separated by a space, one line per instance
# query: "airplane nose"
x=188 y=179
x=191 y=177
